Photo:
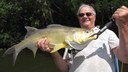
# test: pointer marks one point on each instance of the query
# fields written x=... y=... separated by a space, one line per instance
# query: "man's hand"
x=121 y=16
x=43 y=44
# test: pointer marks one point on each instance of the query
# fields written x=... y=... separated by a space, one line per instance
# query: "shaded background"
x=41 y=63
x=27 y=63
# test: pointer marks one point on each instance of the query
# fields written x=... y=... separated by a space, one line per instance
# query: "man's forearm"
x=123 y=45
x=60 y=63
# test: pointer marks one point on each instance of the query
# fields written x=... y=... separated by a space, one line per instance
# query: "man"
x=98 y=55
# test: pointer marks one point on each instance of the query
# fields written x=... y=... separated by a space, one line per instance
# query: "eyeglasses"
x=82 y=14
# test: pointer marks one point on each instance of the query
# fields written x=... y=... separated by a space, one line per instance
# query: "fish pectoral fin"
x=58 y=47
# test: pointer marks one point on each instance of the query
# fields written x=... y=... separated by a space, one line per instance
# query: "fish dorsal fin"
x=30 y=30
x=55 y=25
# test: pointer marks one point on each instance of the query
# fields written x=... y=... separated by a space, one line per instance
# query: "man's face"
x=86 y=18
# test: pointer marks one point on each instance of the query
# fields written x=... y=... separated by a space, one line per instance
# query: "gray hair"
x=86 y=5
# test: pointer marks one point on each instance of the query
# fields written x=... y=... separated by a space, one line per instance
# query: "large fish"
x=58 y=36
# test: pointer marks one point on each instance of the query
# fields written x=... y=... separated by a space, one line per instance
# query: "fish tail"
x=9 y=51
x=13 y=50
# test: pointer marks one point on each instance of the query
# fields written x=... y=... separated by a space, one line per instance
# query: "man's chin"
x=87 y=23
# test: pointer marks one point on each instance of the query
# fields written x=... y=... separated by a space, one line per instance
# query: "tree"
x=15 y=14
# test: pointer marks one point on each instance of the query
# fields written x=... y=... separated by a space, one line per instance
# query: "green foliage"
x=15 y=14
x=4 y=7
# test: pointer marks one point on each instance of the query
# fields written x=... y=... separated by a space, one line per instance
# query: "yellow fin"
x=58 y=47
